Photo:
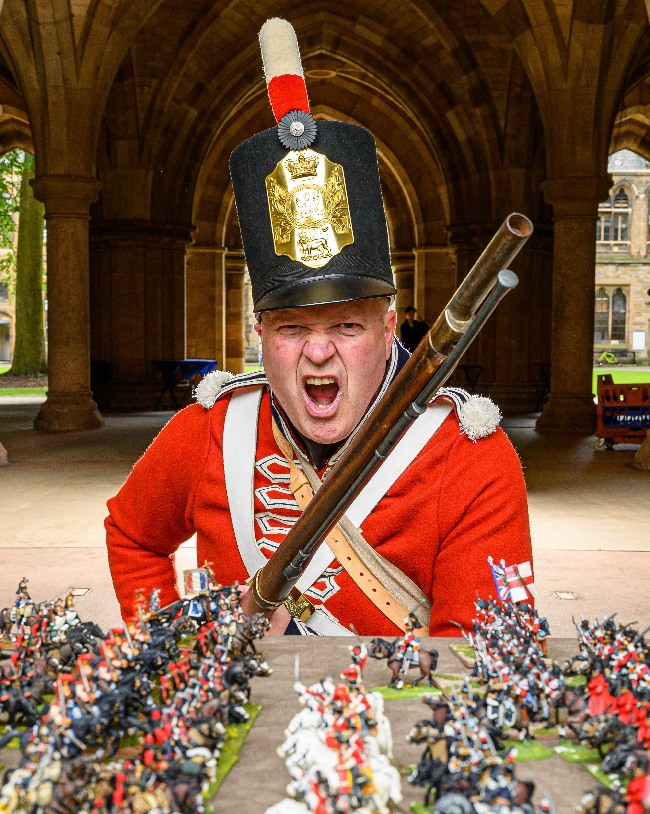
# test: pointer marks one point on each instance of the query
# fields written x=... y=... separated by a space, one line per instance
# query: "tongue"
x=322 y=394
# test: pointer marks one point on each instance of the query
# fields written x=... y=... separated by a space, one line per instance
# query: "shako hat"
x=308 y=196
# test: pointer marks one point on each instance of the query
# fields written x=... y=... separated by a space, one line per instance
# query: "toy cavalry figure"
x=460 y=764
x=36 y=625
x=102 y=687
x=616 y=698
x=404 y=653
x=338 y=748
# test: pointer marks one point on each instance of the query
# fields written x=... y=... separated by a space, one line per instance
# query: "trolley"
x=623 y=412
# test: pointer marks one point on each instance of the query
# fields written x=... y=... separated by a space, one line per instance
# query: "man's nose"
x=318 y=349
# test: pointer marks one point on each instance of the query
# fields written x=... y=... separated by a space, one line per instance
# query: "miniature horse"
x=577 y=707
x=427 y=661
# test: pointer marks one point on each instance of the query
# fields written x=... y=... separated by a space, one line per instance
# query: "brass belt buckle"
x=298 y=605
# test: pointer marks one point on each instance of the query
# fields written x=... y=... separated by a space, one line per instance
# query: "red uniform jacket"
x=457 y=503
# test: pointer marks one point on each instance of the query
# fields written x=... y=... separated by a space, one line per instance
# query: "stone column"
x=570 y=407
x=404 y=266
x=206 y=302
x=69 y=404
x=235 y=322
x=639 y=225
x=435 y=276
x=137 y=307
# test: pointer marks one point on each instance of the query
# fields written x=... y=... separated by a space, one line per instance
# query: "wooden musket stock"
x=426 y=371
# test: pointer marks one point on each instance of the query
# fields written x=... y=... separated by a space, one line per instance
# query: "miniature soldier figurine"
x=409 y=647
x=352 y=674
x=22 y=594
x=72 y=618
x=58 y=621
x=154 y=600
x=22 y=599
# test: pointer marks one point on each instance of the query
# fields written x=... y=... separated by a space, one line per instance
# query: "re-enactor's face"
x=325 y=362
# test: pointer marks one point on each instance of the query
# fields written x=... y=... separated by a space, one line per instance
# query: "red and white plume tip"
x=285 y=82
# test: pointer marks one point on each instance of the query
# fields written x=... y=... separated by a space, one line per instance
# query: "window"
x=610 y=315
x=619 y=313
x=601 y=322
x=613 y=222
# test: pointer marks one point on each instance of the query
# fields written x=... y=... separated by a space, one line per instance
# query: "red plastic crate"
x=623 y=411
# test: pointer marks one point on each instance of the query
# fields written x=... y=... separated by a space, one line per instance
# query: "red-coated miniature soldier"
x=600 y=698
x=637 y=795
x=626 y=707
x=316 y=799
x=352 y=765
x=409 y=646
x=352 y=674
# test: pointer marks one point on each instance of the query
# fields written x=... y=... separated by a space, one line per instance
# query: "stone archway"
x=468 y=101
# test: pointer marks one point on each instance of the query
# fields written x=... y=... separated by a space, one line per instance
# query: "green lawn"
x=20 y=391
x=626 y=375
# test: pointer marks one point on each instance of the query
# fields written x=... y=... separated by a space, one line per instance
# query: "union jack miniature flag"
x=513 y=582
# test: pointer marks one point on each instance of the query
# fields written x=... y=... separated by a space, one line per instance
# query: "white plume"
x=280 y=51
x=208 y=389
x=479 y=417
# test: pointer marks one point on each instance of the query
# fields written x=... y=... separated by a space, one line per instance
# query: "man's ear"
x=258 y=329
x=389 y=330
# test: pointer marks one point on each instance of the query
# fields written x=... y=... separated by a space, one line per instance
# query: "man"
x=229 y=468
x=412 y=330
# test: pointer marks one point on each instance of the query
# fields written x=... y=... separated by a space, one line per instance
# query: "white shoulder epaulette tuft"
x=208 y=389
x=479 y=417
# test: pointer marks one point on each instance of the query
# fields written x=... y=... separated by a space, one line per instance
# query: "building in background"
x=622 y=303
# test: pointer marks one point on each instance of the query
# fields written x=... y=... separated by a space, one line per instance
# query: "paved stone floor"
x=590 y=515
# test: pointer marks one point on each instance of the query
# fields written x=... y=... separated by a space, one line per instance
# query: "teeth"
x=317 y=380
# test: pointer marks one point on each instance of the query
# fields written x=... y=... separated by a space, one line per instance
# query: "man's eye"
x=349 y=327
x=289 y=330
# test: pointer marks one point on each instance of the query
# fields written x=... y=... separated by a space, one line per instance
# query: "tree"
x=29 y=357
x=11 y=170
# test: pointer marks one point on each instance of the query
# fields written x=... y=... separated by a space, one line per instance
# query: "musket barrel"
x=460 y=310
x=274 y=581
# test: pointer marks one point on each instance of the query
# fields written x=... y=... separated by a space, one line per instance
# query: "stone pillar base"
x=65 y=412
x=642 y=457
x=568 y=413
x=3 y=456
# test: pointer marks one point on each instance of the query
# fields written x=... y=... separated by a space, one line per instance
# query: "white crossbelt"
x=239 y=450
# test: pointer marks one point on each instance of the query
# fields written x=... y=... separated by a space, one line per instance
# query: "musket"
x=431 y=364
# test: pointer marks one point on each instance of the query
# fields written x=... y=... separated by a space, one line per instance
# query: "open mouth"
x=321 y=391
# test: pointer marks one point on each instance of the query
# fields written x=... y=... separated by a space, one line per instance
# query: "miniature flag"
x=499 y=577
x=520 y=581
x=196 y=580
x=513 y=581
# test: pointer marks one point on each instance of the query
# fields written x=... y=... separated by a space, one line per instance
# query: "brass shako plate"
x=308 y=206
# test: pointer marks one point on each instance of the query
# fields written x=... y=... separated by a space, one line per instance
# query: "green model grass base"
x=575 y=681
x=528 y=750
x=230 y=752
x=608 y=780
x=407 y=691
x=576 y=753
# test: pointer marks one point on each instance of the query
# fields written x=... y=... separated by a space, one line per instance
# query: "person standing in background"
x=412 y=330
